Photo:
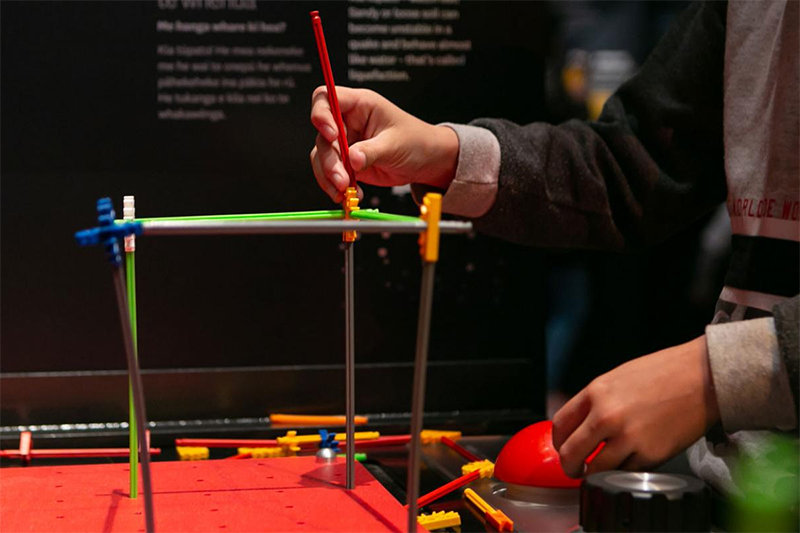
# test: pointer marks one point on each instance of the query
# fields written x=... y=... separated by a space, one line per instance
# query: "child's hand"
x=387 y=145
x=646 y=411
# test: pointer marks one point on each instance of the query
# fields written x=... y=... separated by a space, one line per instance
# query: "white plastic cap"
x=129 y=213
x=128 y=208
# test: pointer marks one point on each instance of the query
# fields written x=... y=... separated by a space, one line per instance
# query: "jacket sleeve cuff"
x=750 y=378
x=473 y=190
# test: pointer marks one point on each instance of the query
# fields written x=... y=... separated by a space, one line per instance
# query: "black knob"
x=634 y=501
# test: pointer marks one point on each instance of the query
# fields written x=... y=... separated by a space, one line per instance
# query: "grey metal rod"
x=310 y=227
x=418 y=394
x=135 y=379
x=350 y=364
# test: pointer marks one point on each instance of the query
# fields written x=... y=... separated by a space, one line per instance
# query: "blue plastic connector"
x=326 y=440
x=107 y=232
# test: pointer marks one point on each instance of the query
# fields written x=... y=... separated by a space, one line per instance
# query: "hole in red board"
x=222 y=527
x=261 y=464
x=199 y=480
x=60 y=516
x=301 y=523
x=338 y=474
x=59 y=486
x=270 y=477
x=278 y=491
x=214 y=510
x=207 y=494
x=137 y=512
x=290 y=506
x=59 y=501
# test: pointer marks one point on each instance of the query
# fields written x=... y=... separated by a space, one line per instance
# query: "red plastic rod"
x=466 y=454
x=72 y=453
x=444 y=490
x=247 y=455
x=327 y=73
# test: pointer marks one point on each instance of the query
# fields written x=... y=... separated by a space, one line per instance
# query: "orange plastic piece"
x=314 y=420
x=496 y=517
x=431 y=214
x=350 y=205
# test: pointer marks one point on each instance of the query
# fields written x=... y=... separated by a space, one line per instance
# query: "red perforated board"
x=289 y=494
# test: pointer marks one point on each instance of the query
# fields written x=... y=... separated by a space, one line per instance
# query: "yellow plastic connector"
x=439 y=520
x=293 y=439
x=350 y=205
x=431 y=214
x=192 y=453
x=267 y=453
x=486 y=468
x=430 y=436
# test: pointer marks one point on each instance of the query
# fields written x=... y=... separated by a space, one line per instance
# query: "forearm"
x=648 y=167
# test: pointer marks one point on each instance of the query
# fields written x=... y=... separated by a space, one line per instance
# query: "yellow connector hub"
x=486 y=468
x=191 y=453
x=439 y=520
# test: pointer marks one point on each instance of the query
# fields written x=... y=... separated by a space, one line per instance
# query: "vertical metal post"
x=350 y=363
x=418 y=394
x=135 y=380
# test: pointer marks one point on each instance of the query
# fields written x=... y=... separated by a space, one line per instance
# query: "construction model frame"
x=346 y=222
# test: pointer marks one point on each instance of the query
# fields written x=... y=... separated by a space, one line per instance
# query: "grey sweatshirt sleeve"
x=474 y=187
x=787 y=326
x=754 y=366
x=648 y=167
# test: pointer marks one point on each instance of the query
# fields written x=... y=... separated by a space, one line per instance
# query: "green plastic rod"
x=336 y=214
x=312 y=215
x=370 y=214
x=130 y=272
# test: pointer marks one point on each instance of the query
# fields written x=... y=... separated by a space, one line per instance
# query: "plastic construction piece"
x=359 y=456
x=27 y=452
x=192 y=453
x=374 y=214
x=529 y=458
x=328 y=440
x=326 y=214
x=257 y=495
x=350 y=206
x=314 y=420
x=430 y=213
x=107 y=232
x=495 y=517
x=447 y=488
x=485 y=468
x=439 y=520
x=327 y=73
x=227 y=443
x=129 y=214
x=293 y=439
x=381 y=442
x=430 y=436
x=261 y=453
x=463 y=452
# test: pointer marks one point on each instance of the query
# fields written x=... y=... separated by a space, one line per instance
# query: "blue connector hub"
x=108 y=232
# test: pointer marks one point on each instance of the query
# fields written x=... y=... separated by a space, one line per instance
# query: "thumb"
x=374 y=151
